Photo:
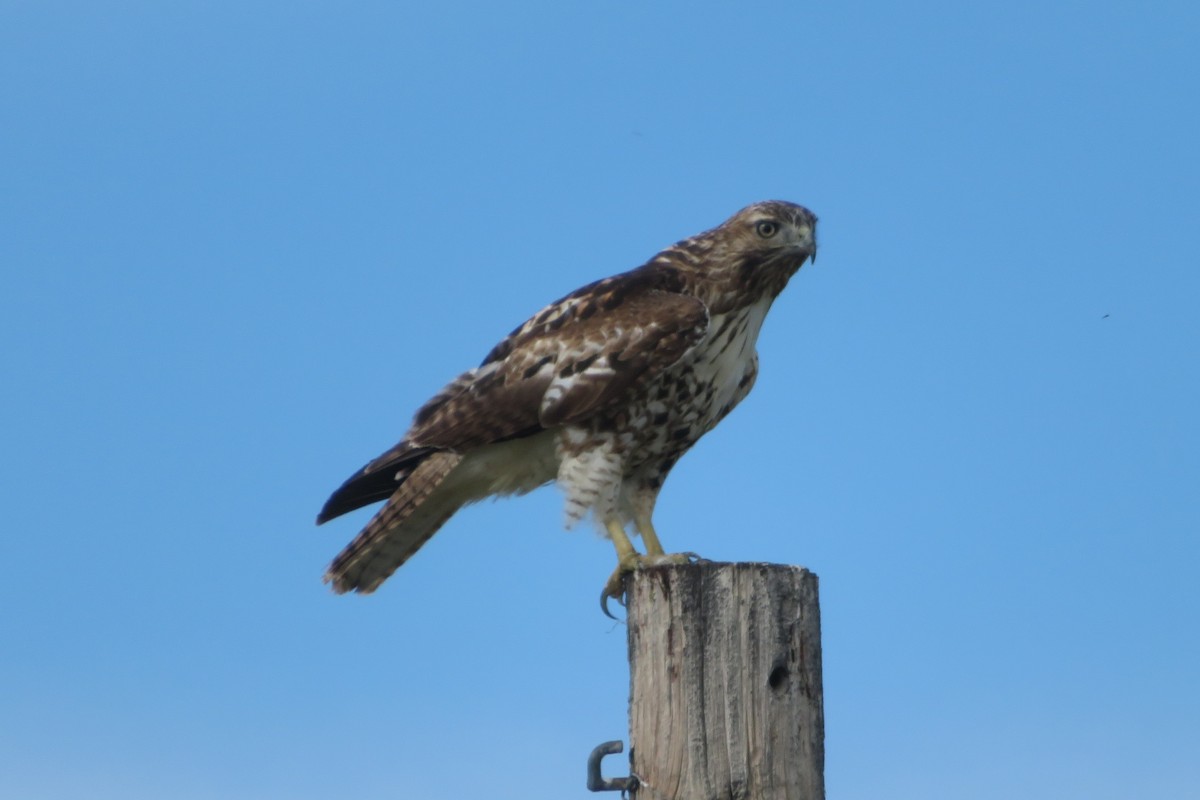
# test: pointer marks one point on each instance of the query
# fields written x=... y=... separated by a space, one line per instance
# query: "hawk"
x=602 y=392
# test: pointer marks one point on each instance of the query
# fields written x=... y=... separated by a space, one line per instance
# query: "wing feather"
x=574 y=358
x=374 y=482
x=648 y=334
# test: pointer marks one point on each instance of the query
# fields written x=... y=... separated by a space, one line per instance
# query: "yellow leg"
x=655 y=555
x=628 y=559
x=649 y=536
x=620 y=540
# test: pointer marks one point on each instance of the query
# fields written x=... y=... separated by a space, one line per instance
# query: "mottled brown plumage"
x=603 y=391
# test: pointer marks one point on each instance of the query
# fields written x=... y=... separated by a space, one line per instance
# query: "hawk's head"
x=772 y=226
x=751 y=254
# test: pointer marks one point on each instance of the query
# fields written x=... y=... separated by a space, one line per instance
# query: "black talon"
x=604 y=595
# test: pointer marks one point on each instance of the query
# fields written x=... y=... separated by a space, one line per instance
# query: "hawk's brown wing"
x=565 y=374
x=573 y=359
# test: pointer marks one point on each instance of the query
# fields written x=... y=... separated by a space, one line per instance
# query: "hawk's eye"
x=767 y=228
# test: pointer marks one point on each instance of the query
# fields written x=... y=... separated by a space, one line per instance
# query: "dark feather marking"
x=557 y=322
x=578 y=367
x=726 y=324
x=536 y=368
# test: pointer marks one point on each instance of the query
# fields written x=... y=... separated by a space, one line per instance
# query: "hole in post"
x=778 y=677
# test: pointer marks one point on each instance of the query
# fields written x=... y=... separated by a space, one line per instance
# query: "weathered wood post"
x=725 y=683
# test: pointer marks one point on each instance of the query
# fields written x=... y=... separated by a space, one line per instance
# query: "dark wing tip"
x=374 y=482
x=328 y=512
x=360 y=490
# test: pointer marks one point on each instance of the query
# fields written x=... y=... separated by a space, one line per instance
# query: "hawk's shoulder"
x=606 y=298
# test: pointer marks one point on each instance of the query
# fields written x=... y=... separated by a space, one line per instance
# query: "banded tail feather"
x=413 y=513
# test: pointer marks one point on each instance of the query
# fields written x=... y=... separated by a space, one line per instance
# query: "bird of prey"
x=601 y=391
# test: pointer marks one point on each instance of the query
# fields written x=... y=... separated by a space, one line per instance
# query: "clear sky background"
x=240 y=243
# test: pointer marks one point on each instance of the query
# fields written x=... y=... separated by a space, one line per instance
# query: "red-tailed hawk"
x=601 y=391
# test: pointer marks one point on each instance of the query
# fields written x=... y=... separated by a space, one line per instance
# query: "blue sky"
x=242 y=242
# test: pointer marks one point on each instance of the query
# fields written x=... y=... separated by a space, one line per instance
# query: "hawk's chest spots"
x=713 y=377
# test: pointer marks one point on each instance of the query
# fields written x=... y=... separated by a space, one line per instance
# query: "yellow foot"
x=615 y=587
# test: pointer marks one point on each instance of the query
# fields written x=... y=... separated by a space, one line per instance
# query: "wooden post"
x=725 y=683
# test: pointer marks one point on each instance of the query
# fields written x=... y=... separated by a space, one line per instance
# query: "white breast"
x=725 y=354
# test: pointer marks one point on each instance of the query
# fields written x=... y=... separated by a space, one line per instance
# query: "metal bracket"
x=597 y=782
